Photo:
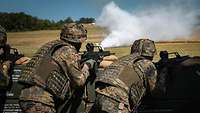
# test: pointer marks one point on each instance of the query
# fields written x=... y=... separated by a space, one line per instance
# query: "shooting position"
x=97 y=53
x=9 y=58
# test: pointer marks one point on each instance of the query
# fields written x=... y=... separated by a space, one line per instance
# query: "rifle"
x=12 y=54
x=95 y=55
x=166 y=61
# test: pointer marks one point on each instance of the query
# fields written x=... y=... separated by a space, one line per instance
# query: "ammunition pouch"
x=44 y=71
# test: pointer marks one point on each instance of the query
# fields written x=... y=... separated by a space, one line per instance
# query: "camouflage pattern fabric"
x=108 y=105
x=36 y=94
x=4 y=74
x=68 y=59
x=72 y=32
x=34 y=74
x=149 y=71
x=144 y=47
x=125 y=82
x=34 y=107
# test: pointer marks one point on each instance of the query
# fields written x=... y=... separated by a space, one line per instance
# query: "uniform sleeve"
x=150 y=72
x=71 y=58
x=4 y=74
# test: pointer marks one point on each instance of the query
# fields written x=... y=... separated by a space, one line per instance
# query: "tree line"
x=24 y=22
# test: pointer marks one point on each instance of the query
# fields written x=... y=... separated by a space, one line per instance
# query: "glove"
x=4 y=74
x=90 y=63
x=6 y=65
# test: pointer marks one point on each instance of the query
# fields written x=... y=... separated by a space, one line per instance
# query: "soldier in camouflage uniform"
x=54 y=72
x=121 y=86
x=9 y=57
x=4 y=65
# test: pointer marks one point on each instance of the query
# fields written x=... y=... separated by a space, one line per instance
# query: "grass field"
x=29 y=42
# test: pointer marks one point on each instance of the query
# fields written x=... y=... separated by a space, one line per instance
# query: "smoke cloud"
x=158 y=24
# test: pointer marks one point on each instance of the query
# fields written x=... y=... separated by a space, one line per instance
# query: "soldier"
x=9 y=57
x=54 y=72
x=4 y=65
x=121 y=86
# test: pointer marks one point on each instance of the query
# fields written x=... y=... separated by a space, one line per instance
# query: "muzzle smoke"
x=158 y=24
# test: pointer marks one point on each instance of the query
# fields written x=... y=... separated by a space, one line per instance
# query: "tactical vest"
x=122 y=74
x=43 y=70
x=123 y=69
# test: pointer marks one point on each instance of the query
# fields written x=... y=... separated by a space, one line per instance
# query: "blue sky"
x=60 y=9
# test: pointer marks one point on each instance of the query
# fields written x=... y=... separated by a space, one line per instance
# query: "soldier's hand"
x=90 y=63
x=4 y=82
x=6 y=65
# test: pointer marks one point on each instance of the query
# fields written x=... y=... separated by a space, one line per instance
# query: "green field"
x=29 y=42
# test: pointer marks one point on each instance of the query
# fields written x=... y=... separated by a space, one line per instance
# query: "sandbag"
x=22 y=60
x=105 y=64
x=110 y=58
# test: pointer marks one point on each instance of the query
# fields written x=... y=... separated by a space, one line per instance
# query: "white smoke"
x=158 y=24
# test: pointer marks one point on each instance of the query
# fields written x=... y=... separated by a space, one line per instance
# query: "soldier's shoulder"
x=65 y=48
x=66 y=53
x=112 y=72
x=145 y=61
x=147 y=66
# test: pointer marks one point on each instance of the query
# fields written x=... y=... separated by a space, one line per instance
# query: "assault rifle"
x=166 y=61
x=11 y=54
x=94 y=52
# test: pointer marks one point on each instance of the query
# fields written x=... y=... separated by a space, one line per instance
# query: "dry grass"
x=29 y=42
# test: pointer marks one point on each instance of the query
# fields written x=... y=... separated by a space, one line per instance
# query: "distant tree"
x=86 y=20
x=68 y=20
x=24 y=22
x=60 y=22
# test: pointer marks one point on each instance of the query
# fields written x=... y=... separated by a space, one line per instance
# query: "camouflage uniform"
x=4 y=65
x=54 y=72
x=121 y=86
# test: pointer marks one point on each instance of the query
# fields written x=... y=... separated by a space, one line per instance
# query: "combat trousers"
x=34 y=107
x=36 y=100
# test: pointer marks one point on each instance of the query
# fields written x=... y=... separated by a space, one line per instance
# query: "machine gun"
x=97 y=55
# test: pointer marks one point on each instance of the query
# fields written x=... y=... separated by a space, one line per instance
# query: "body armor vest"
x=121 y=74
x=43 y=70
x=123 y=70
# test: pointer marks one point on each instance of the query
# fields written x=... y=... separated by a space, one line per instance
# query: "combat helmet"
x=73 y=32
x=144 y=47
x=3 y=36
